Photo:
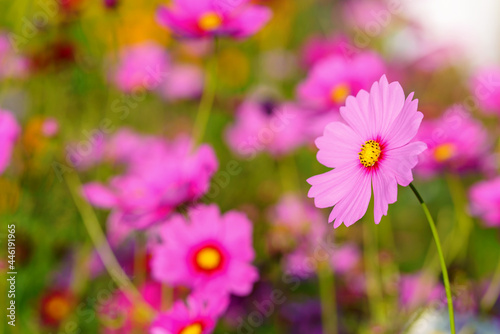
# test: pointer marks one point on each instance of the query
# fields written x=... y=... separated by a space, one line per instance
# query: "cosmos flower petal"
x=338 y=146
x=99 y=195
x=353 y=206
x=400 y=161
x=387 y=102
x=385 y=192
x=358 y=114
x=329 y=188
x=242 y=277
x=405 y=126
x=250 y=21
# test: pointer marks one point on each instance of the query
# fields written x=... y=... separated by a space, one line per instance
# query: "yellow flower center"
x=210 y=21
x=339 y=93
x=58 y=308
x=444 y=152
x=208 y=258
x=192 y=329
x=370 y=153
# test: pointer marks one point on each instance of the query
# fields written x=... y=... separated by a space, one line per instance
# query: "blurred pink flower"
x=120 y=315
x=141 y=66
x=9 y=132
x=485 y=85
x=207 y=252
x=317 y=49
x=198 y=316
x=373 y=147
x=159 y=177
x=183 y=82
x=12 y=65
x=485 y=201
x=333 y=79
x=456 y=142
x=207 y=18
x=418 y=290
x=266 y=126
x=50 y=127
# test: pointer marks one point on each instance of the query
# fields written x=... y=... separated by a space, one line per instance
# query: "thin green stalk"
x=101 y=243
x=328 y=300
x=207 y=99
x=441 y=258
x=491 y=294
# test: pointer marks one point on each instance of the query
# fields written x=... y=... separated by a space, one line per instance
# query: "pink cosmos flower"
x=183 y=82
x=9 y=132
x=141 y=66
x=317 y=49
x=484 y=85
x=207 y=18
x=266 y=126
x=372 y=148
x=50 y=127
x=12 y=65
x=456 y=142
x=418 y=289
x=120 y=315
x=198 y=316
x=485 y=201
x=333 y=79
x=159 y=177
x=207 y=252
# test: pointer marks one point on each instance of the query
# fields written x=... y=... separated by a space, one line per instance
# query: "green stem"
x=491 y=294
x=328 y=300
x=101 y=243
x=207 y=99
x=441 y=258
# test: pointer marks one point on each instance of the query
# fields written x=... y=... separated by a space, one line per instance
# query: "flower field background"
x=207 y=166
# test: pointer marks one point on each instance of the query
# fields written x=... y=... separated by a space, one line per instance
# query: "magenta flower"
x=198 y=316
x=159 y=177
x=207 y=18
x=456 y=142
x=485 y=201
x=9 y=132
x=372 y=148
x=207 y=252
x=418 y=290
x=266 y=126
x=484 y=85
x=333 y=79
x=12 y=65
x=183 y=82
x=141 y=66
x=319 y=48
x=120 y=315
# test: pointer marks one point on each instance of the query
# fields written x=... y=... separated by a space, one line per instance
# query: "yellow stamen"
x=210 y=21
x=444 y=152
x=192 y=329
x=370 y=153
x=208 y=258
x=339 y=93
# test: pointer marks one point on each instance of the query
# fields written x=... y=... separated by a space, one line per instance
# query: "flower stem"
x=328 y=300
x=441 y=258
x=101 y=243
x=491 y=294
x=207 y=99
